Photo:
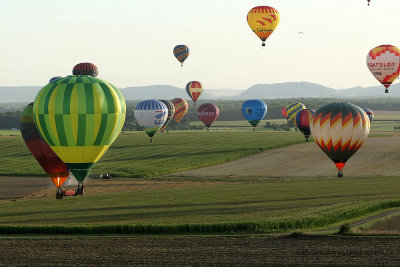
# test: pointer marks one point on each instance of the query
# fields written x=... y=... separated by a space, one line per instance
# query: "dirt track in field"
x=379 y=156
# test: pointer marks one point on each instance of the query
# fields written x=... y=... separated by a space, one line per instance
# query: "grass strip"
x=201 y=228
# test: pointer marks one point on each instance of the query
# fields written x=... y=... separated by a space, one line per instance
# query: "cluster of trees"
x=10 y=119
x=230 y=110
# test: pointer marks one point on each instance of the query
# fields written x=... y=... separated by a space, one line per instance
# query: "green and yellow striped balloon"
x=79 y=116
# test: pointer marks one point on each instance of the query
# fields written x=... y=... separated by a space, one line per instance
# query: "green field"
x=132 y=155
x=247 y=205
x=9 y=133
x=220 y=205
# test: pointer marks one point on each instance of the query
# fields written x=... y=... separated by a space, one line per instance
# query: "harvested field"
x=201 y=251
x=378 y=157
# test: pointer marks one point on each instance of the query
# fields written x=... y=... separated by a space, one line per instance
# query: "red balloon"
x=208 y=113
x=50 y=162
x=284 y=112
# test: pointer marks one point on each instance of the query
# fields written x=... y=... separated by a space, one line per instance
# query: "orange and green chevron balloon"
x=263 y=20
x=340 y=129
x=181 y=107
x=79 y=117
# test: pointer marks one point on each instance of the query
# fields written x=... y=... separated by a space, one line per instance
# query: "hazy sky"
x=131 y=41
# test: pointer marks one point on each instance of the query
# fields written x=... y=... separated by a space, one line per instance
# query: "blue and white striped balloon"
x=151 y=115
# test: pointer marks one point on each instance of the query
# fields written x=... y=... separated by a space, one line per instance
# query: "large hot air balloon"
x=194 y=90
x=151 y=115
x=51 y=164
x=79 y=117
x=85 y=69
x=181 y=52
x=369 y=113
x=292 y=109
x=208 y=113
x=263 y=20
x=171 y=113
x=340 y=129
x=384 y=63
x=303 y=120
x=181 y=107
x=254 y=110
x=284 y=113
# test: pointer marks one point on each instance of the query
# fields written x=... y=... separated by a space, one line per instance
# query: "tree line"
x=230 y=110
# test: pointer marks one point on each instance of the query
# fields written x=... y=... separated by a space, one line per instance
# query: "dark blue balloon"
x=254 y=110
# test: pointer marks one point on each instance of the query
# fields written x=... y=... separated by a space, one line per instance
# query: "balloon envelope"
x=194 y=90
x=303 y=120
x=284 y=112
x=171 y=113
x=340 y=129
x=181 y=52
x=384 y=63
x=254 y=110
x=263 y=20
x=151 y=115
x=79 y=117
x=292 y=109
x=369 y=113
x=55 y=168
x=54 y=79
x=208 y=113
x=181 y=107
x=85 y=69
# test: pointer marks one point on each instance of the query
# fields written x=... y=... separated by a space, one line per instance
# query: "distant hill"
x=288 y=90
x=263 y=91
x=18 y=93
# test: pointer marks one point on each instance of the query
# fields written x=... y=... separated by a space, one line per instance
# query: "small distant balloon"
x=254 y=110
x=208 y=113
x=151 y=115
x=384 y=63
x=263 y=20
x=369 y=113
x=181 y=107
x=301 y=34
x=181 y=52
x=303 y=120
x=171 y=113
x=284 y=113
x=194 y=90
x=292 y=109
x=85 y=69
